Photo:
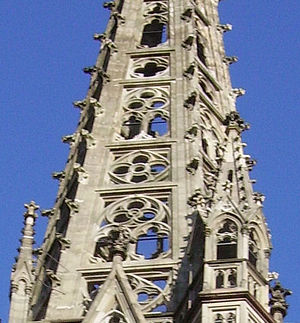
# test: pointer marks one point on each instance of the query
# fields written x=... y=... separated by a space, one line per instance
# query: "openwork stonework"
x=155 y=219
x=147 y=223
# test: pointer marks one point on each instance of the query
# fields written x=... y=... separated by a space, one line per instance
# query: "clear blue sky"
x=44 y=46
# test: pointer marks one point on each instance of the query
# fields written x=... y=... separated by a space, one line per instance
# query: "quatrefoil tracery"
x=143 y=166
x=150 y=67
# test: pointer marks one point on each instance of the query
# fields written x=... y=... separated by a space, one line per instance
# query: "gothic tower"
x=155 y=218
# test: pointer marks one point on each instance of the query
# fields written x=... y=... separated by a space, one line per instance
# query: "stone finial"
x=115 y=243
x=31 y=208
x=278 y=302
x=258 y=198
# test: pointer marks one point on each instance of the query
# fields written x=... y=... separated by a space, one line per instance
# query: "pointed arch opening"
x=154 y=34
x=252 y=249
x=227 y=240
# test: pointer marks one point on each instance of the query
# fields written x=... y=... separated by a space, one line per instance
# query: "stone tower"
x=155 y=218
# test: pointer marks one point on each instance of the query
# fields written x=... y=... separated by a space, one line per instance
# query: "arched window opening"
x=154 y=34
x=232 y=278
x=220 y=280
x=151 y=245
x=227 y=241
x=231 y=318
x=252 y=249
x=160 y=308
x=131 y=128
x=219 y=318
x=158 y=127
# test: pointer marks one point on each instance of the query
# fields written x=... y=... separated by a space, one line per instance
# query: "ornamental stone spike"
x=22 y=273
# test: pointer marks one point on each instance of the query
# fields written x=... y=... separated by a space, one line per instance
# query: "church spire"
x=155 y=219
x=22 y=275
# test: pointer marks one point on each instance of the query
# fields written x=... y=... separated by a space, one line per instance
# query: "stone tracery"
x=144 y=219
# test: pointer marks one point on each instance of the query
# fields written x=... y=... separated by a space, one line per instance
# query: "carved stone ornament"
x=64 y=242
x=106 y=42
x=228 y=231
x=98 y=109
x=224 y=28
x=192 y=132
x=187 y=14
x=146 y=113
x=190 y=102
x=258 y=198
x=69 y=139
x=237 y=92
x=116 y=242
x=137 y=215
x=120 y=20
x=228 y=60
x=48 y=213
x=156 y=10
x=200 y=202
x=277 y=300
x=81 y=172
x=150 y=67
x=193 y=165
x=80 y=104
x=250 y=163
x=188 y=42
x=59 y=175
x=55 y=280
x=138 y=167
x=234 y=121
x=189 y=72
x=153 y=294
x=109 y=5
x=73 y=205
x=89 y=138
x=100 y=72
